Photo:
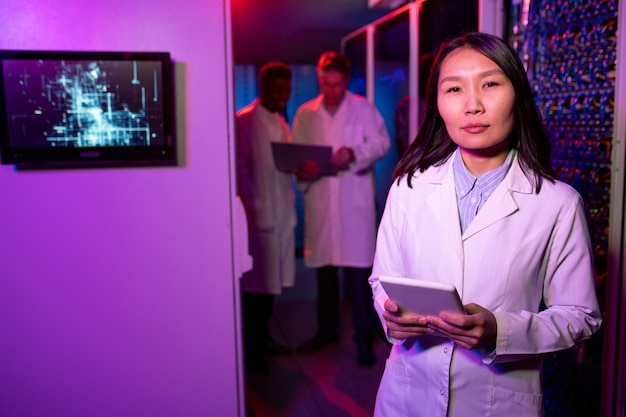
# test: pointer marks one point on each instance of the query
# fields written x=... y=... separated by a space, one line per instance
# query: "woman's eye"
x=453 y=89
x=490 y=84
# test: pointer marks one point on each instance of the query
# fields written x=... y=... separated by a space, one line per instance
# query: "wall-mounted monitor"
x=86 y=109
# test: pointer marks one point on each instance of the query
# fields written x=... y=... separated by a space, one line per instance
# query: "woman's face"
x=476 y=102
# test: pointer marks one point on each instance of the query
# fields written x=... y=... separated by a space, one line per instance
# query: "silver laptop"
x=289 y=157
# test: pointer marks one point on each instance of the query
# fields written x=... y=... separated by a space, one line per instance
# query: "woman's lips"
x=475 y=128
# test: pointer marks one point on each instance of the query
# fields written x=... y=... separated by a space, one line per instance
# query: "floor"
x=326 y=383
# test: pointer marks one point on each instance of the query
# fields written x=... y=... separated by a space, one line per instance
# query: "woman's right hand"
x=402 y=324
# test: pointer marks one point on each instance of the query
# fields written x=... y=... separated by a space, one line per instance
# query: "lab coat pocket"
x=518 y=404
x=393 y=395
x=261 y=218
x=353 y=135
x=360 y=191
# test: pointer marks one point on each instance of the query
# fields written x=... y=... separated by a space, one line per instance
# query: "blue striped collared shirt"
x=473 y=192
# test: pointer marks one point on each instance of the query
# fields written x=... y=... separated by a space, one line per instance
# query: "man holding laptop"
x=340 y=210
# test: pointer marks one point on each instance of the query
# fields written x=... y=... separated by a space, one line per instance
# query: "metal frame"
x=491 y=17
x=614 y=353
x=413 y=9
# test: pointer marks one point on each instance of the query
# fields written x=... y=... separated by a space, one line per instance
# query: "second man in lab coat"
x=340 y=211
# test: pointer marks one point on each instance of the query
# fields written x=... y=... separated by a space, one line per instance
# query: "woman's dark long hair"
x=433 y=145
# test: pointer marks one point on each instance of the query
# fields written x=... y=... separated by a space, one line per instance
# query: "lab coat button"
x=445 y=350
x=441 y=392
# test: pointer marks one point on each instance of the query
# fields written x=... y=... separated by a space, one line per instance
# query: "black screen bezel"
x=84 y=157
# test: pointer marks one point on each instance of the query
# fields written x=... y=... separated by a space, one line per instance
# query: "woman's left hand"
x=474 y=330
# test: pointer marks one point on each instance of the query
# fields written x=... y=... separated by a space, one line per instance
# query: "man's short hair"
x=333 y=61
x=273 y=70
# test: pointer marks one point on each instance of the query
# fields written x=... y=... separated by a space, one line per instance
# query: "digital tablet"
x=289 y=157
x=426 y=298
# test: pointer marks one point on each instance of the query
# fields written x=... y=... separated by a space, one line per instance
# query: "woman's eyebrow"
x=497 y=71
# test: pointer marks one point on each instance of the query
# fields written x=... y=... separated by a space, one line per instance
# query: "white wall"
x=116 y=289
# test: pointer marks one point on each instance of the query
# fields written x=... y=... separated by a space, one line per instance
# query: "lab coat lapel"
x=443 y=204
x=502 y=202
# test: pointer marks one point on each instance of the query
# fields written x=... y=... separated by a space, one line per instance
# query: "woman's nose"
x=473 y=104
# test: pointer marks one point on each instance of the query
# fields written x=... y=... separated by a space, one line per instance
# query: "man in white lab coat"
x=268 y=198
x=340 y=210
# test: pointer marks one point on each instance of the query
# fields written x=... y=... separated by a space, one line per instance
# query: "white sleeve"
x=388 y=257
x=572 y=313
x=376 y=142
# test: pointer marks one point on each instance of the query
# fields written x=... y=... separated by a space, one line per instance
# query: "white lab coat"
x=340 y=211
x=521 y=248
x=268 y=198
